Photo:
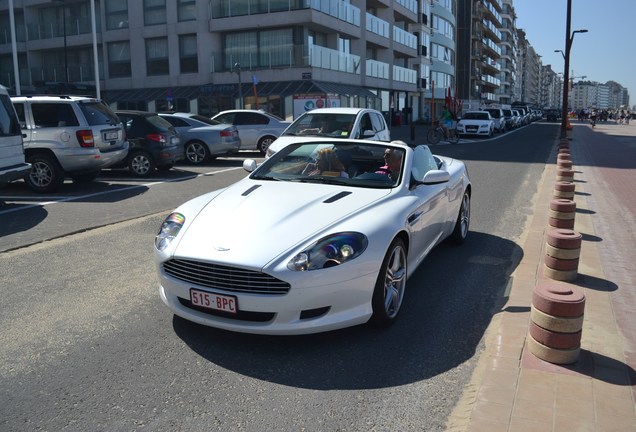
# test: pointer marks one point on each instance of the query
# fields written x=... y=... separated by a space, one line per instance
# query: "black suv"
x=154 y=143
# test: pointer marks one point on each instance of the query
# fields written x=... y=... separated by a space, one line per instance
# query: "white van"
x=12 y=164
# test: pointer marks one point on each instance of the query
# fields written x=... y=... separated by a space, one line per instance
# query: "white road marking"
x=64 y=198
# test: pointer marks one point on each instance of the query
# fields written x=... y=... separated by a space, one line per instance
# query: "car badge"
x=221 y=248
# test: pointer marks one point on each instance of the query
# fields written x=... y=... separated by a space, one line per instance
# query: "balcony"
x=404 y=75
x=404 y=38
x=376 y=69
x=377 y=26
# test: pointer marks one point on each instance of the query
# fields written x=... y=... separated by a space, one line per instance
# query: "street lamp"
x=569 y=38
x=237 y=68
x=64 y=29
x=562 y=53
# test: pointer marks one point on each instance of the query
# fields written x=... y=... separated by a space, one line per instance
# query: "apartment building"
x=480 y=43
x=210 y=55
x=591 y=94
x=508 y=59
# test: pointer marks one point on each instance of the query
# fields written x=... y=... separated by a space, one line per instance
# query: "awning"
x=281 y=88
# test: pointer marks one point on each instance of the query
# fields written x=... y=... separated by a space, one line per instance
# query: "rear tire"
x=390 y=286
x=46 y=173
x=197 y=152
x=141 y=164
x=264 y=143
x=433 y=136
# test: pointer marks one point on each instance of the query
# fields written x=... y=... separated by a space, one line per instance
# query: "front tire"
x=390 y=286
x=46 y=173
x=463 y=221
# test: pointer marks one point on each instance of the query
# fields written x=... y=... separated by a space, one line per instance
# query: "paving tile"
x=614 y=406
x=526 y=425
x=533 y=409
x=569 y=423
x=491 y=411
x=483 y=425
x=573 y=387
x=497 y=394
x=576 y=408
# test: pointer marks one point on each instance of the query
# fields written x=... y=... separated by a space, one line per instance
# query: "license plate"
x=214 y=301
x=109 y=136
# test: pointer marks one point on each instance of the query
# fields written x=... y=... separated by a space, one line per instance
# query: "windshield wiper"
x=265 y=178
x=322 y=179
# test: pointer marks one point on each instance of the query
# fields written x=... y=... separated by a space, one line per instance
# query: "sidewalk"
x=511 y=389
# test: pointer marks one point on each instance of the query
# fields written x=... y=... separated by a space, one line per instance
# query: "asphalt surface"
x=88 y=345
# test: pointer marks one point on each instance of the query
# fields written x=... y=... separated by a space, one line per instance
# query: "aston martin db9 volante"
x=322 y=235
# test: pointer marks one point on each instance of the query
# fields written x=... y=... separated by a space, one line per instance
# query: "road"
x=88 y=345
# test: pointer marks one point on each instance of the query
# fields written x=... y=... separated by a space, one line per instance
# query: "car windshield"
x=494 y=113
x=476 y=116
x=340 y=163
x=322 y=124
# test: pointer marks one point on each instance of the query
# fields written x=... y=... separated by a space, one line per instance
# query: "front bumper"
x=339 y=304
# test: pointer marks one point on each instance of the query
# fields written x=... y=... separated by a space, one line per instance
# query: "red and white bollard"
x=556 y=322
x=562 y=251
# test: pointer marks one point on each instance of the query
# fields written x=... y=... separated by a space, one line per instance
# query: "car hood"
x=253 y=222
x=473 y=122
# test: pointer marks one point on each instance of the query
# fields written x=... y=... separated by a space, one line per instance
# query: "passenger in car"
x=326 y=164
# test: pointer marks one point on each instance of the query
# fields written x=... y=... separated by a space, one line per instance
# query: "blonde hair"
x=327 y=160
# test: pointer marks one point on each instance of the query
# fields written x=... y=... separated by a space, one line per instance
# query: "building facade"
x=207 y=56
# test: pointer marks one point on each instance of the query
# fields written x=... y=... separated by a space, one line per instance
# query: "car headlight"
x=484 y=126
x=329 y=251
x=169 y=230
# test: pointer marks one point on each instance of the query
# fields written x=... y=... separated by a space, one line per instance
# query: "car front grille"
x=224 y=277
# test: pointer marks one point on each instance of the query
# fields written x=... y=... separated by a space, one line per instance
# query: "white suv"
x=68 y=136
x=12 y=164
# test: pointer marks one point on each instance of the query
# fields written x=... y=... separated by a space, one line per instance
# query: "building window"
x=266 y=48
x=188 y=57
x=442 y=54
x=440 y=25
x=157 y=56
x=154 y=12
x=119 y=59
x=116 y=14
x=441 y=80
x=186 y=10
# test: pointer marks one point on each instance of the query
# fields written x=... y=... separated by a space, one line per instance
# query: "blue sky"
x=607 y=52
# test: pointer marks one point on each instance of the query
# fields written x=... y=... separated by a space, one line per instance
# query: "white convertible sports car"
x=322 y=235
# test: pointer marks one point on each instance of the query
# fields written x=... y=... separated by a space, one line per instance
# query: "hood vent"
x=336 y=197
x=250 y=190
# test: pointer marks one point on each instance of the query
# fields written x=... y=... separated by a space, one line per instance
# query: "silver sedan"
x=204 y=139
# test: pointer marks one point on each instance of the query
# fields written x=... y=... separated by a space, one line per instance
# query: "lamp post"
x=64 y=30
x=237 y=68
x=562 y=53
x=569 y=38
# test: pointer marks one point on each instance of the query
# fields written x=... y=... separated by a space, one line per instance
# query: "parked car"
x=509 y=119
x=203 y=139
x=12 y=159
x=321 y=258
x=552 y=115
x=355 y=123
x=68 y=136
x=154 y=143
x=517 y=117
x=476 y=123
x=497 y=117
x=257 y=129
